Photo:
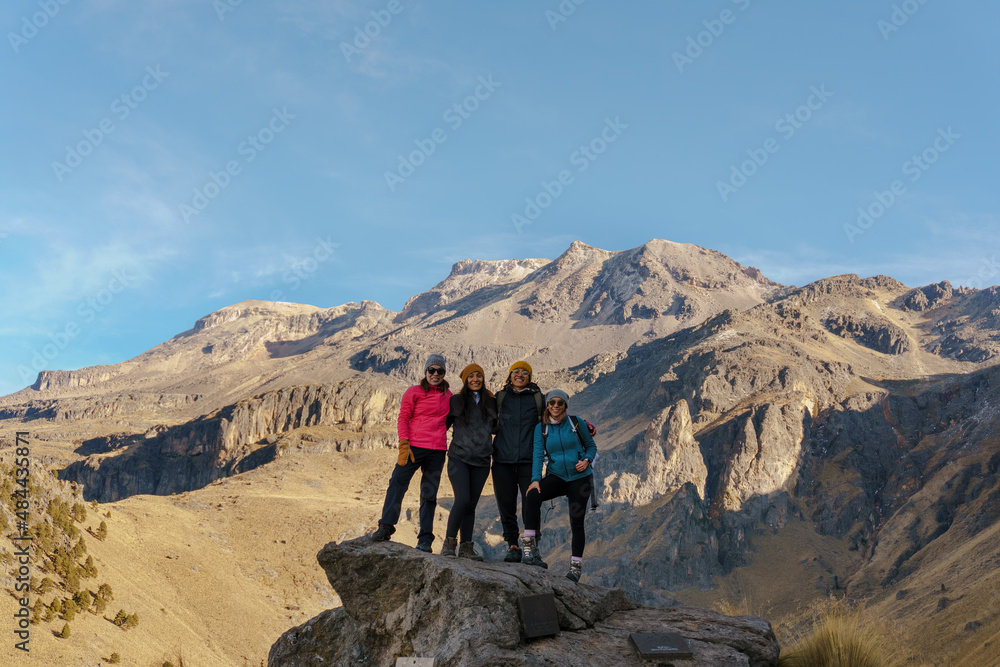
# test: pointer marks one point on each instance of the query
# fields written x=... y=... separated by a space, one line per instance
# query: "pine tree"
x=65 y=632
x=100 y=604
x=79 y=512
x=120 y=618
x=45 y=586
x=102 y=531
x=72 y=580
x=69 y=610
x=104 y=592
x=79 y=548
x=36 y=612
x=83 y=600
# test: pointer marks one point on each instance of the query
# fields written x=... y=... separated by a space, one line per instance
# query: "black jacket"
x=472 y=441
x=514 y=442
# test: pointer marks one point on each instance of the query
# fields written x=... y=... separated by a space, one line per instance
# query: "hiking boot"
x=529 y=545
x=383 y=532
x=468 y=550
x=425 y=545
x=575 y=571
x=450 y=544
x=513 y=554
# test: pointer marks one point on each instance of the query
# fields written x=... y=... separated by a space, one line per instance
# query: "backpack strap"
x=538 y=405
x=574 y=426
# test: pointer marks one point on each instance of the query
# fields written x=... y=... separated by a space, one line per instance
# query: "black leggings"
x=467 y=483
x=577 y=495
x=510 y=480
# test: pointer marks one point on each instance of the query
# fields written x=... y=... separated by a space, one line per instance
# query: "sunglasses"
x=519 y=371
x=558 y=402
x=434 y=370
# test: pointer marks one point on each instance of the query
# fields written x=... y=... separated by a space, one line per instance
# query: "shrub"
x=65 y=632
x=115 y=659
x=69 y=610
x=838 y=640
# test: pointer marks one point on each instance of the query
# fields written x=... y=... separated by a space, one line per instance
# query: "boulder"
x=399 y=602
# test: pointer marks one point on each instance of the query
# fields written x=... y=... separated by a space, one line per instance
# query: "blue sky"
x=163 y=159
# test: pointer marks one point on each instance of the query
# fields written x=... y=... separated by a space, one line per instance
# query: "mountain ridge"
x=730 y=408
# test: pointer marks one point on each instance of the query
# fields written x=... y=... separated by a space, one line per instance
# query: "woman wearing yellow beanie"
x=472 y=418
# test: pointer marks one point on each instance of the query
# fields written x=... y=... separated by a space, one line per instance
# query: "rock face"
x=401 y=602
x=237 y=438
x=667 y=457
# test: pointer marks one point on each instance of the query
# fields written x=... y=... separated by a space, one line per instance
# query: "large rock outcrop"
x=401 y=602
x=666 y=458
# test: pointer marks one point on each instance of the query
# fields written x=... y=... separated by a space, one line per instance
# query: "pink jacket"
x=422 y=417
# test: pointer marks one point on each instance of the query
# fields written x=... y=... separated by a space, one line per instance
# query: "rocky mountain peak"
x=468 y=276
x=251 y=309
x=578 y=253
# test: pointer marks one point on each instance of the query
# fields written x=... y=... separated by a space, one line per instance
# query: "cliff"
x=236 y=438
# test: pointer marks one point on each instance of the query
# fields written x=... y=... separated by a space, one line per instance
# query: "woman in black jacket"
x=521 y=406
x=472 y=417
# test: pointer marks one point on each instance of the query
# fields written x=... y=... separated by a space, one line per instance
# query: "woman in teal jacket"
x=570 y=450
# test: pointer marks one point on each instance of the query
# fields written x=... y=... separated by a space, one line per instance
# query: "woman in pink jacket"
x=422 y=444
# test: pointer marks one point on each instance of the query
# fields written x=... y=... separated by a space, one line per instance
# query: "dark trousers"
x=430 y=462
x=577 y=495
x=510 y=480
x=467 y=483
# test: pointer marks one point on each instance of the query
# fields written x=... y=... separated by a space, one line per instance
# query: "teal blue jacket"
x=563 y=449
